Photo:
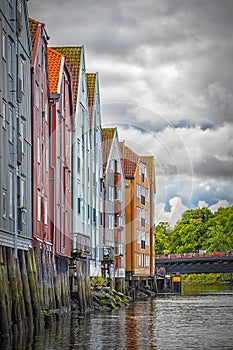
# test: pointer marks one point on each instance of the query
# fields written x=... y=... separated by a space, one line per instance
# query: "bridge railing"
x=191 y=255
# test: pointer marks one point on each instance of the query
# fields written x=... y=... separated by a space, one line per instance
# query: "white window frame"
x=4 y=109
x=111 y=221
x=147 y=260
x=11 y=136
x=45 y=211
x=10 y=56
x=38 y=206
x=11 y=194
x=38 y=150
x=4 y=200
x=37 y=95
x=147 y=238
x=46 y=159
x=4 y=45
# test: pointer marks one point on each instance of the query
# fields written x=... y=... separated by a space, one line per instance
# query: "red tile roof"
x=107 y=139
x=130 y=160
x=73 y=58
x=91 y=84
x=54 y=68
x=33 y=30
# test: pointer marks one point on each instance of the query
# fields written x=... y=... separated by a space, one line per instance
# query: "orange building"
x=139 y=202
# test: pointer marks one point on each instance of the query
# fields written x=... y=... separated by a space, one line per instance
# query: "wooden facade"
x=139 y=215
x=60 y=127
x=42 y=234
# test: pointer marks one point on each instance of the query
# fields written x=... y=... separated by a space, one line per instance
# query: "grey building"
x=15 y=126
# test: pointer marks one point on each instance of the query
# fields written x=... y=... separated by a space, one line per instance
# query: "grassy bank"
x=208 y=279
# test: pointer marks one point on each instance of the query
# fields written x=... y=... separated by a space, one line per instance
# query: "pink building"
x=61 y=111
x=42 y=235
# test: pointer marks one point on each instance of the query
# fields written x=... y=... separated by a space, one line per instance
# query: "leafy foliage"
x=198 y=229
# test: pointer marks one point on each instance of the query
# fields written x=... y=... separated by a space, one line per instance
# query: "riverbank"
x=103 y=296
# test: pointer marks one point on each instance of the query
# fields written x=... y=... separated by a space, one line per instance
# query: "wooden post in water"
x=15 y=294
x=33 y=284
x=5 y=328
x=26 y=288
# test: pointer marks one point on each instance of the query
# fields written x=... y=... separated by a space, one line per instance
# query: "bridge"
x=195 y=263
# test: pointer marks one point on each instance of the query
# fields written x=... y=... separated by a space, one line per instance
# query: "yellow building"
x=139 y=202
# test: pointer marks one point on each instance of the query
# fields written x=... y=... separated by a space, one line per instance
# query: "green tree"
x=162 y=236
x=219 y=231
x=187 y=235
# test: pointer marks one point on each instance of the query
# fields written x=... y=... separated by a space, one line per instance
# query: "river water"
x=200 y=319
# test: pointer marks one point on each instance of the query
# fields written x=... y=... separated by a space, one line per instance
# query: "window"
x=46 y=160
x=79 y=205
x=147 y=238
x=11 y=131
x=111 y=221
x=37 y=96
x=38 y=207
x=38 y=149
x=143 y=215
x=4 y=204
x=45 y=211
x=143 y=196
x=111 y=193
x=138 y=260
x=94 y=214
x=11 y=194
x=78 y=164
x=10 y=57
x=21 y=133
x=147 y=195
x=4 y=45
x=21 y=192
x=147 y=258
x=4 y=114
x=138 y=236
x=101 y=218
x=143 y=173
x=138 y=190
x=22 y=75
x=45 y=111
x=138 y=213
x=142 y=244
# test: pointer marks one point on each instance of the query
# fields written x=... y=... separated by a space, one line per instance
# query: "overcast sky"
x=166 y=82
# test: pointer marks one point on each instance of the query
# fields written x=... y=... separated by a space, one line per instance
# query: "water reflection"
x=199 y=319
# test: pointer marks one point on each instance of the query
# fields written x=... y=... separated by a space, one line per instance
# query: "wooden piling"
x=5 y=326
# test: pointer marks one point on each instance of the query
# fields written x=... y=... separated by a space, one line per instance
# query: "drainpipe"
x=15 y=133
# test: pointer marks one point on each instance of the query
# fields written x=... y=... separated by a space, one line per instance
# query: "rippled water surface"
x=200 y=320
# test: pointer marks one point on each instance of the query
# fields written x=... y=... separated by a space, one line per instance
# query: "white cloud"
x=220 y=204
x=177 y=208
x=202 y=204
x=169 y=63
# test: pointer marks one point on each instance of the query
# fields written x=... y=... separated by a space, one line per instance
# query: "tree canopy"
x=198 y=229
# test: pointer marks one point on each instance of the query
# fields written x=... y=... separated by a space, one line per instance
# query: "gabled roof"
x=149 y=160
x=107 y=139
x=73 y=59
x=34 y=25
x=35 y=31
x=91 y=85
x=130 y=160
x=55 y=67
